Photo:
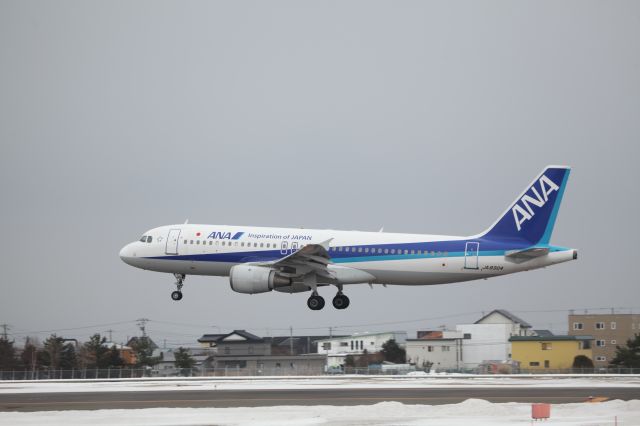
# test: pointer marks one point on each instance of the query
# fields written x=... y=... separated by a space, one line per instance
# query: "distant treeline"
x=57 y=353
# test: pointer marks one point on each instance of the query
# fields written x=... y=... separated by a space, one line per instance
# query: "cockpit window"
x=149 y=239
x=143 y=239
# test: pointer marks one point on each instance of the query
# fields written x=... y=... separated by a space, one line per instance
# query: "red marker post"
x=540 y=411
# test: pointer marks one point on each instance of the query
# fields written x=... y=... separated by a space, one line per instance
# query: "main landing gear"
x=316 y=302
x=177 y=295
x=340 y=301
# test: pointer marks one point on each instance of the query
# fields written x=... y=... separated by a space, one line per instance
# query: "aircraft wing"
x=520 y=256
x=309 y=258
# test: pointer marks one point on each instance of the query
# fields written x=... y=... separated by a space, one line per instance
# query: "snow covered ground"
x=473 y=411
x=316 y=382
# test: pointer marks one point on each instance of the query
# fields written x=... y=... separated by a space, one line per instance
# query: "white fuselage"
x=403 y=259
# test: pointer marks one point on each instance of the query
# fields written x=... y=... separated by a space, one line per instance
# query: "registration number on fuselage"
x=492 y=268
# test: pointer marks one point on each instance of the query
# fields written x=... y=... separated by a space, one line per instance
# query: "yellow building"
x=549 y=352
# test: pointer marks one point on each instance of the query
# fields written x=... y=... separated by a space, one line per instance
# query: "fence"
x=129 y=373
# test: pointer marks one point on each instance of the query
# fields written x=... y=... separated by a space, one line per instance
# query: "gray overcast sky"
x=426 y=117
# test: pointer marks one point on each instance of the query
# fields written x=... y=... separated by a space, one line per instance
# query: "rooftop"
x=508 y=315
x=243 y=335
x=547 y=338
x=366 y=334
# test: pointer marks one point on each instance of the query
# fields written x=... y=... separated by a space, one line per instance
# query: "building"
x=549 y=352
x=337 y=348
x=242 y=353
x=608 y=330
x=270 y=365
x=437 y=350
x=484 y=342
x=236 y=343
x=166 y=360
x=127 y=354
x=519 y=327
x=295 y=345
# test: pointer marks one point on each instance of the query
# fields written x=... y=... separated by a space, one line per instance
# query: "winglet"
x=326 y=244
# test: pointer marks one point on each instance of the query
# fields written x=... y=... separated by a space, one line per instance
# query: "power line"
x=75 y=328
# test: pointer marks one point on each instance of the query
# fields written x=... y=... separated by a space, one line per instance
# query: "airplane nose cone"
x=127 y=254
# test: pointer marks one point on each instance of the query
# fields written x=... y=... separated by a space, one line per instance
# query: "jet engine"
x=250 y=279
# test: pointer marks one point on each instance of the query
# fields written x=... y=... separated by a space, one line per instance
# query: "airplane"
x=292 y=260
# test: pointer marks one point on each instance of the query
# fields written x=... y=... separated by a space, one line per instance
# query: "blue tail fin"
x=531 y=217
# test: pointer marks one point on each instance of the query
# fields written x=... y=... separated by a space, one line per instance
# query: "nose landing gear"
x=177 y=295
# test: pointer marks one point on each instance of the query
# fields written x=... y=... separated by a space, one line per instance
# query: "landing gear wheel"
x=177 y=295
x=340 y=301
x=315 y=302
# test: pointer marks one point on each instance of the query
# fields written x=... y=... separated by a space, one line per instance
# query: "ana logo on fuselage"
x=225 y=235
x=522 y=210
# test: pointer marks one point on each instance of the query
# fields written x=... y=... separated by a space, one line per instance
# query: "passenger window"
x=185 y=241
x=346 y=248
x=359 y=249
x=261 y=244
x=217 y=243
x=393 y=251
x=255 y=244
x=413 y=252
x=339 y=248
x=386 y=251
x=222 y=243
x=406 y=252
x=191 y=241
x=241 y=244
x=366 y=249
x=210 y=242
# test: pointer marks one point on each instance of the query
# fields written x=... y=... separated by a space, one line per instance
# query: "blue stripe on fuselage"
x=439 y=250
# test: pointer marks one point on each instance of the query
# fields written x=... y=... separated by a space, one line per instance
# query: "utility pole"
x=5 y=328
x=142 y=323
x=330 y=332
x=290 y=340
x=110 y=337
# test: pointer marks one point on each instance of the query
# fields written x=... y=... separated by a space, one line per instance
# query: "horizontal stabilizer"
x=519 y=256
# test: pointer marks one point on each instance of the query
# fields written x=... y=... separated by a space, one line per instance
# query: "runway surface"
x=274 y=397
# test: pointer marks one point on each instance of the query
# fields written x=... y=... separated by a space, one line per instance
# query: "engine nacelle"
x=250 y=279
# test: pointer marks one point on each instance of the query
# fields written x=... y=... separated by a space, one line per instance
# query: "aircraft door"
x=172 y=241
x=471 y=255
x=283 y=248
